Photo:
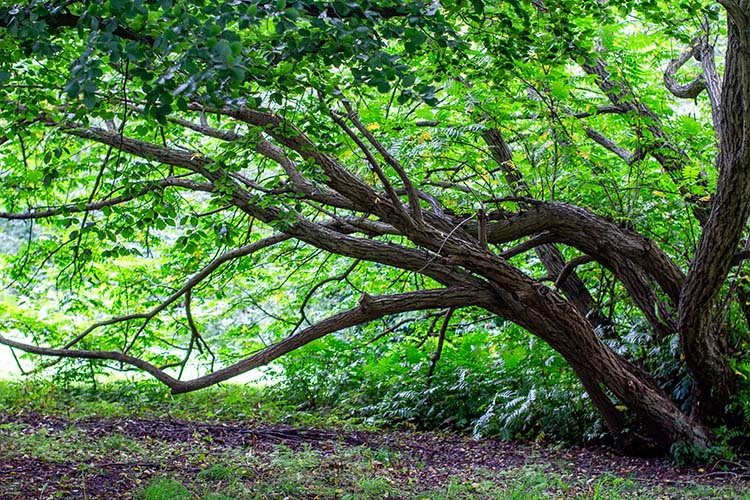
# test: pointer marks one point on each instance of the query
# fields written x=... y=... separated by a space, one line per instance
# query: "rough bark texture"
x=704 y=340
x=571 y=285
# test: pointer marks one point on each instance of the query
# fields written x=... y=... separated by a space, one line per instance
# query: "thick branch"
x=370 y=308
x=593 y=235
x=689 y=90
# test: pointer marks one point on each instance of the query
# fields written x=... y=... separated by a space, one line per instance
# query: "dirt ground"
x=435 y=457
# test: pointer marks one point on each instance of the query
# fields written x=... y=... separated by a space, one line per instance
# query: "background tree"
x=230 y=181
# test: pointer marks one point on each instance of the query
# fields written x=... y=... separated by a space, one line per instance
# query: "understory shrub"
x=522 y=389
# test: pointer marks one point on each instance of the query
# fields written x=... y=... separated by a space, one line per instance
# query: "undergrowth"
x=523 y=390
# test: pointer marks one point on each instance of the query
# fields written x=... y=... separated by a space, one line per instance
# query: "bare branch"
x=204 y=129
x=316 y=287
x=89 y=207
x=391 y=329
x=370 y=308
x=191 y=160
x=189 y=284
x=374 y=165
x=608 y=144
x=441 y=341
x=411 y=191
x=339 y=178
x=543 y=238
x=570 y=267
x=450 y=185
x=147 y=367
x=711 y=77
x=687 y=91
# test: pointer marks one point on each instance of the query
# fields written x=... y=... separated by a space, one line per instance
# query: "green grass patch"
x=149 y=399
x=166 y=489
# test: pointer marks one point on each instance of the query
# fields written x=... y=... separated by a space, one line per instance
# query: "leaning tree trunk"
x=571 y=286
x=548 y=315
x=702 y=337
x=569 y=333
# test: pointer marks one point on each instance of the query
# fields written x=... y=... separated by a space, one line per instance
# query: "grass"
x=83 y=456
x=353 y=482
x=144 y=399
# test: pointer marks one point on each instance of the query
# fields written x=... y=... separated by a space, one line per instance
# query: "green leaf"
x=223 y=50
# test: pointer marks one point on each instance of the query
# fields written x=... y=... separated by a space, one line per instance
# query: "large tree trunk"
x=667 y=420
x=572 y=335
x=571 y=286
x=702 y=337
x=548 y=315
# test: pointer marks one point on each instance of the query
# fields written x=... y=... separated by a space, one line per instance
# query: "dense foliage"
x=195 y=189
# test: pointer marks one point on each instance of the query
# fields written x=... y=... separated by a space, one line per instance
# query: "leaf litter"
x=139 y=449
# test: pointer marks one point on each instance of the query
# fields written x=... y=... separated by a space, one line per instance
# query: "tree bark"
x=571 y=286
x=548 y=315
x=703 y=338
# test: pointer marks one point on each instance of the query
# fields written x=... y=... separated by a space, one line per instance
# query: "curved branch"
x=339 y=277
x=441 y=341
x=608 y=144
x=711 y=77
x=594 y=235
x=147 y=367
x=570 y=267
x=735 y=10
x=374 y=165
x=689 y=90
x=339 y=179
x=192 y=282
x=370 y=308
x=530 y=244
x=89 y=207
x=411 y=191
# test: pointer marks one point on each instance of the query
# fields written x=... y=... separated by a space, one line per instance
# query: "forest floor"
x=133 y=440
x=52 y=456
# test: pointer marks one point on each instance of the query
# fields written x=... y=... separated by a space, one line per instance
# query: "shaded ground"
x=51 y=457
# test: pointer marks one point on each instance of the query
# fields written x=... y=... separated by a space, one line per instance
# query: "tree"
x=420 y=156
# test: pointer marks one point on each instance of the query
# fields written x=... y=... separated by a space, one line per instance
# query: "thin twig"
x=441 y=341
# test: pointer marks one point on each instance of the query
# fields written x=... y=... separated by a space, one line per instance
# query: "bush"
x=490 y=382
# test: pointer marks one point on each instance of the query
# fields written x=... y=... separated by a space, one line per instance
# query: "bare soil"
x=425 y=458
